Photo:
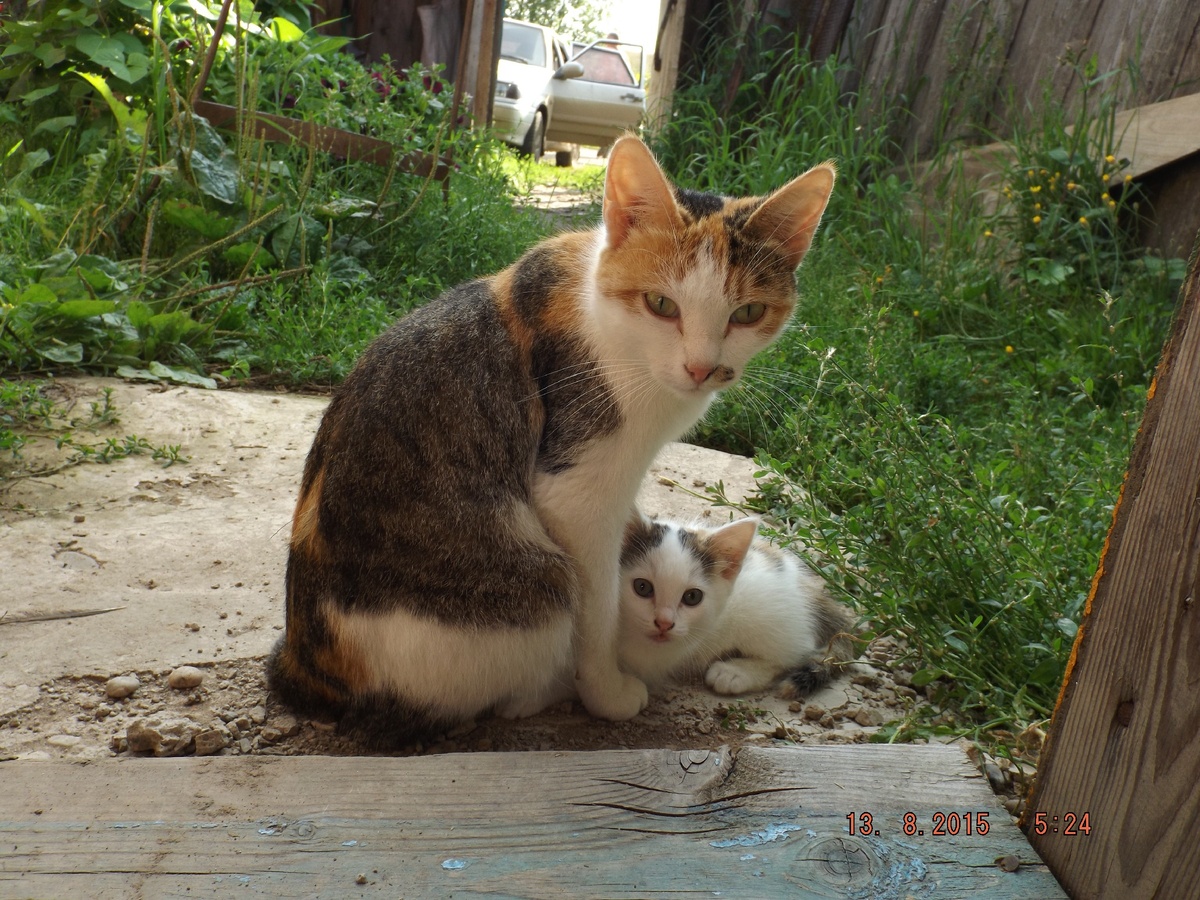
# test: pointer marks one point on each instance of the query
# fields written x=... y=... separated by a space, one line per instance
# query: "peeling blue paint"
x=747 y=856
x=757 y=838
x=349 y=843
x=451 y=865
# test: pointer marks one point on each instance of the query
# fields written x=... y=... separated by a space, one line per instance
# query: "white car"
x=543 y=94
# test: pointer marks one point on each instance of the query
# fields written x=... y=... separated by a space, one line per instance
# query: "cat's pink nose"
x=699 y=371
x=664 y=625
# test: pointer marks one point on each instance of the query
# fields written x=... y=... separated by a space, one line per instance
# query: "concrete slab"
x=195 y=552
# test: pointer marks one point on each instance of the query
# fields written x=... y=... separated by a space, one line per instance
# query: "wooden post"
x=665 y=72
x=1124 y=746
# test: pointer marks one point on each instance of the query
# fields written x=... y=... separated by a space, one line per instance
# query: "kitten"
x=721 y=602
x=456 y=539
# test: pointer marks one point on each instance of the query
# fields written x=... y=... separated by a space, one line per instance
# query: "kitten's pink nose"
x=699 y=371
x=664 y=625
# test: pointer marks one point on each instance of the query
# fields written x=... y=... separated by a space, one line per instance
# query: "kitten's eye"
x=643 y=588
x=748 y=314
x=662 y=306
x=692 y=597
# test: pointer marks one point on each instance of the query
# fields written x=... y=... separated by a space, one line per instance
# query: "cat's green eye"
x=692 y=597
x=748 y=314
x=661 y=306
x=643 y=588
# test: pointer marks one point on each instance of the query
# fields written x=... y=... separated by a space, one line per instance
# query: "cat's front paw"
x=622 y=698
x=733 y=676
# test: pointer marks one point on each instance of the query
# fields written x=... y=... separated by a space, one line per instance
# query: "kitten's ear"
x=636 y=193
x=789 y=217
x=730 y=543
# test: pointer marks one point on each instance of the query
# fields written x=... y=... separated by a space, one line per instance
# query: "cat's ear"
x=789 y=217
x=730 y=544
x=636 y=193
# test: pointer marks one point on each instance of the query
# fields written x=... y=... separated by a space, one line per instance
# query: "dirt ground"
x=188 y=560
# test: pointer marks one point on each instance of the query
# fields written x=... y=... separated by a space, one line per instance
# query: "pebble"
x=869 y=717
x=162 y=737
x=244 y=745
x=287 y=724
x=212 y=741
x=121 y=686
x=814 y=712
x=258 y=715
x=185 y=678
x=270 y=734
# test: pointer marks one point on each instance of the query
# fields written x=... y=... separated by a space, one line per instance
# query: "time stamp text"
x=954 y=824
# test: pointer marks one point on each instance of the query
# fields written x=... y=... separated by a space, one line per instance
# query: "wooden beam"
x=1152 y=136
x=343 y=144
x=1124 y=745
x=753 y=823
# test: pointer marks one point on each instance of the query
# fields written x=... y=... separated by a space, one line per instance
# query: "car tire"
x=564 y=159
x=535 y=138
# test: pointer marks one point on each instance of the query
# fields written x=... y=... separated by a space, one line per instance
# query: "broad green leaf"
x=182 y=376
x=31 y=97
x=85 y=309
x=136 y=374
x=55 y=125
x=203 y=221
x=69 y=354
x=139 y=314
x=341 y=207
x=34 y=160
x=49 y=55
x=133 y=120
x=285 y=31
x=172 y=327
x=104 y=51
x=241 y=254
x=36 y=293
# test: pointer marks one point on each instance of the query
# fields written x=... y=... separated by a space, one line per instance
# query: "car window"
x=605 y=66
x=523 y=43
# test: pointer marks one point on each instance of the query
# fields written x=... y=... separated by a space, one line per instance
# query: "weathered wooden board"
x=1124 y=744
x=966 y=69
x=1157 y=134
x=754 y=823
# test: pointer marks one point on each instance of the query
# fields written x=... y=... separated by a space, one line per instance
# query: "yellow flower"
x=1037 y=206
x=1110 y=159
x=987 y=233
x=1035 y=188
x=1071 y=185
x=1128 y=178
x=916 y=313
x=1112 y=204
x=1083 y=220
x=1104 y=196
x=1037 y=220
x=1008 y=348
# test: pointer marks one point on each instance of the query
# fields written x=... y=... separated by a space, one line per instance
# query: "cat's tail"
x=834 y=638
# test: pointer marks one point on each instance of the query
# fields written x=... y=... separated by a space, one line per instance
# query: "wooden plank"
x=671 y=17
x=1157 y=134
x=754 y=823
x=1124 y=743
x=343 y=144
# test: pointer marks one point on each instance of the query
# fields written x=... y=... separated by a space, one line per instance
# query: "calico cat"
x=721 y=602
x=456 y=539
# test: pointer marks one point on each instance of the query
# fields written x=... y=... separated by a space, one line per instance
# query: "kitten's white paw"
x=622 y=698
x=733 y=676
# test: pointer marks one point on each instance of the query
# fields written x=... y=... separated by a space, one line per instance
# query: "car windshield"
x=523 y=43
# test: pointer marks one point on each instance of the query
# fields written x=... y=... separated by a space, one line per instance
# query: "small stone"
x=121 y=686
x=244 y=745
x=270 y=734
x=242 y=722
x=827 y=721
x=288 y=726
x=995 y=776
x=705 y=727
x=360 y=878
x=163 y=737
x=234 y=730
x=64 y=741
x=185 y=678
x=781 y=732
x=863 y=678
x=1009 y=863
x=79 y=519
x=795 y=706
x=192 y=626
x=212 y=741
x=87 y=703
x=258 y=715
x=869 y=717
x=119 y=743
x=813 y=712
